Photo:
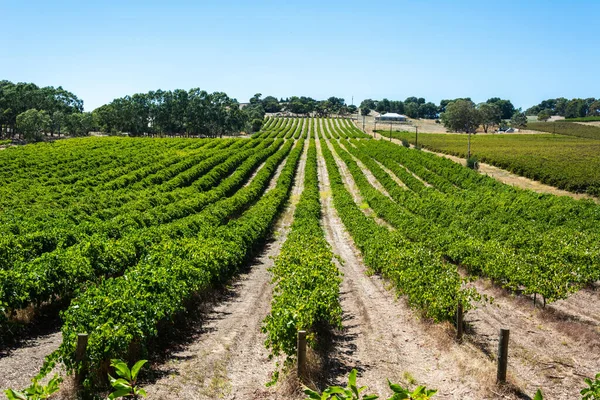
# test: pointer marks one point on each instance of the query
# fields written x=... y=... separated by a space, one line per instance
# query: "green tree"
x=428 y=110
x=271 y=104
x=518 y=120
x=462 y=116
x=490 y=115
x=506 y=107
x=32 y=124
x=411 y=109
x=594 y=110
x=544 y=115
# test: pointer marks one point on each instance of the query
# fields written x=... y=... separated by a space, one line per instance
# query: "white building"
x=391 y=117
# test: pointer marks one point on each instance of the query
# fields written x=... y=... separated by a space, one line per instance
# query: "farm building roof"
x=393 y=115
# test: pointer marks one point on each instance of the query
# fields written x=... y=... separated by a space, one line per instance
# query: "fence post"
x=502 y=355
x=301 y=354
x=82 y=341
x=459 y=322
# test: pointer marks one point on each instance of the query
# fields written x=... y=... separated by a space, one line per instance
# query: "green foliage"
x=518 y=120
x=472 y=162
x=129 y=308
x=125 y=385
x=429 y=284
x=506 y=107
x=464 y=216
x=405 y=143
x=354 y=392
x=461 y=116
x=350 y=392
x=490 y=114
x=306 y=292
x=256 y=124
x=36 y=391
x=420 y=392
x=593 y=391
x=566 y=128
x=177 y=112
x=32 y=124
x=16 y=98
x=544 y=115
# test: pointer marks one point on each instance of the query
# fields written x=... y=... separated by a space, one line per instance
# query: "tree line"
x=414 y=107
x=178 y=112
x=463 y=115
x=306 y=105
x=574 y=108
x=27 y=111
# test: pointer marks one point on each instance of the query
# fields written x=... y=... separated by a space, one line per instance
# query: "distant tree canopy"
x=490 y=114
x=33 y=123
x=307 y=105
x=177 y=112
x=574 y=108
x=507 y=109
x=461 y=116
x=17 y=98
x=519 y=119
x=413 y=107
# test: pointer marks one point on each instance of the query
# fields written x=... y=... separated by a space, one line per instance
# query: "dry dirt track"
x=228 y=360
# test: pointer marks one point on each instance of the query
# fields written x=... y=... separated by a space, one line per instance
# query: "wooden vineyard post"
x=301 y=354
x=459 y=323
x=502 y=355
x=82 y=341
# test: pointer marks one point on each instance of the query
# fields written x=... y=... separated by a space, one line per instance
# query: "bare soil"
x=228 y=359
x=553 y=348
x=18 y=366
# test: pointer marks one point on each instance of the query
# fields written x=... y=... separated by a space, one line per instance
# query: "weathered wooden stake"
x=82 y=341
x=301 y=354
x=502 y=355
x=459 y=322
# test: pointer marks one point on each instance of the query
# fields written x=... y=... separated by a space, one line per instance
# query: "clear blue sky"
x=525 y=51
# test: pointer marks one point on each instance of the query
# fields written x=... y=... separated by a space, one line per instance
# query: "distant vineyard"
x=565 y=162
x=583 y=119
x=567 y=128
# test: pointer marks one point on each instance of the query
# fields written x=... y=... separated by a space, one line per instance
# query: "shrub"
x=473 y=163
x=405 y=143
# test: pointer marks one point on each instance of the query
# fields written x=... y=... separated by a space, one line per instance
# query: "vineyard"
x=568 y=163
x=569 y=128
x=124 y=237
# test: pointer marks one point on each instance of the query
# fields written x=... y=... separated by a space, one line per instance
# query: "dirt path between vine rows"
x=228 y=359
x=383 y=338
x=507 y=177
x=19 y=365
